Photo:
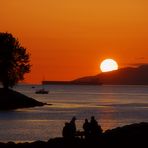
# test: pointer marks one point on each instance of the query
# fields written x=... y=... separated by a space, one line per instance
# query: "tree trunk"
x=5 y=85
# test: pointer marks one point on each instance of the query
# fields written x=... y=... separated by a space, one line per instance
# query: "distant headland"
x=123 y=76
x=10 y=100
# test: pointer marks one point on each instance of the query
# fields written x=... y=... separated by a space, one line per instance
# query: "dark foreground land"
x=10 y=99
x=129 y=136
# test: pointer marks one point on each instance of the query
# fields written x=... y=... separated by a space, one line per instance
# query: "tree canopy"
x=14 y=60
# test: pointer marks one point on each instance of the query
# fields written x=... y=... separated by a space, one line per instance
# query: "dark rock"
x=133 y=136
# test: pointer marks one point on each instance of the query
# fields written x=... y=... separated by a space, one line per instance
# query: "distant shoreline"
x=95 y=84
x=68 y=83
x=122 y=76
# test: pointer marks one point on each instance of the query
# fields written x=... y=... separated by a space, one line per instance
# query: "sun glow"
x=108 y=65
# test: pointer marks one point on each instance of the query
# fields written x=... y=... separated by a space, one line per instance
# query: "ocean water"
x=112 y=106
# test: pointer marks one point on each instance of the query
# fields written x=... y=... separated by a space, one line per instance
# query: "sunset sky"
x=68 y=39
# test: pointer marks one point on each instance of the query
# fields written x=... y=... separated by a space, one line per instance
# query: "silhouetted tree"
x=14 y=60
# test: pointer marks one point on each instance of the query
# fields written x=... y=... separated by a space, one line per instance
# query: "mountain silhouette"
x=123 y=76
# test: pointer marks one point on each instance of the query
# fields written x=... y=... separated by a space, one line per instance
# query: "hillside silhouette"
x=123 y=76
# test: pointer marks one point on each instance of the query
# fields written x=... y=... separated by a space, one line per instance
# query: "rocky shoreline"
x=134 y=135
x=11 y=100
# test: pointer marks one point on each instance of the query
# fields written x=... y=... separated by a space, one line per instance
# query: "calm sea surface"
x=111 y=105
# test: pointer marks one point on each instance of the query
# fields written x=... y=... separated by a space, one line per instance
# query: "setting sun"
x=108 y=65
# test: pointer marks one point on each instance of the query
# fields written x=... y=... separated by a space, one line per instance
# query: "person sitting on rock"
x=86 y=127
x=95 y=128
x=66 y=131
x=73 y=126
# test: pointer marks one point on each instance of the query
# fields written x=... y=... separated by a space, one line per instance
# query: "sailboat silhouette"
x=42 y=91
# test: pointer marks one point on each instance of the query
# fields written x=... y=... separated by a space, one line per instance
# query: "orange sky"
x=68 y=39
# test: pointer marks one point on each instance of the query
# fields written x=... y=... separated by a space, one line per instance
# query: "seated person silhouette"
x=66 y=130
x=95 y=128
x=86 y=127
x=69 y=130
